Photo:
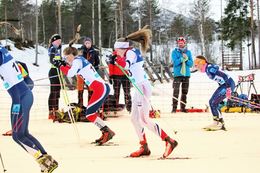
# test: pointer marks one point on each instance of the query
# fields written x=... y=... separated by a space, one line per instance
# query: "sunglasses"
x=198 y=62
x=181 y=39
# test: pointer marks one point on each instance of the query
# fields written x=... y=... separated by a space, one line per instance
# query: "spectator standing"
x=118 y=78
x=54 y=52
x=182 y=62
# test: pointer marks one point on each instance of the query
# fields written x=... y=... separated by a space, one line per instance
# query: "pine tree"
x=235 y=26
x=49 y=10
x=108 y=24
x=151 y=12
x=178 y=27
x=69 y=19
x=200 y=12
x=19 y=14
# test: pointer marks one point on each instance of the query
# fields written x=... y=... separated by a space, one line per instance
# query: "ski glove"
x=112 y=59
x=228 y=93
x=58 y=63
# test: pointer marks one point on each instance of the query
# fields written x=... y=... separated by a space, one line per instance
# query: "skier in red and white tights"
x=140 y=103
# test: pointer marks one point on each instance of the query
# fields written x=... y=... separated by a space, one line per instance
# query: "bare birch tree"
x=121 y=17
x=199 y=12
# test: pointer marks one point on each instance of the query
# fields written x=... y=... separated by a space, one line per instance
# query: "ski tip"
x=107 y=144
x=128 y=156
x=173 y=158
x=161 y=158
x=213 y=130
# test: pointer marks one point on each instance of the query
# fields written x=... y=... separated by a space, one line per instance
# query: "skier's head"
x=121 y=45
x=142 y=36
x=200 y=63
x=70 y=53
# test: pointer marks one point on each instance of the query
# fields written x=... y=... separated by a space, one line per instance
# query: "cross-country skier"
x=22 y=100
x=133 y=62
x=226 y=86
x=80 y=66
x=92 y=55
x=27 y=79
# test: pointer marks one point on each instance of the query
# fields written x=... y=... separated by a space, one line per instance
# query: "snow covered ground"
x=235 y=150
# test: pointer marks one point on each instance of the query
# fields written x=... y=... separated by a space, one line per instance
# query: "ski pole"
x=65 y=95
x=131 y=80
x=45 y=78
x=179 y=100
x=68 y=85
x=2 y=163
x=66 y=99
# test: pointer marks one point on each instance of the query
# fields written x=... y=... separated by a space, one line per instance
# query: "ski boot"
x=97 y=141
x=107 y=134
x=143 y=150
x=218 y=124
x=170 y=145
x=47 y=163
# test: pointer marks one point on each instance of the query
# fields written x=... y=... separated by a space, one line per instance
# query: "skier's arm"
x=71 y=71
x=130 y=57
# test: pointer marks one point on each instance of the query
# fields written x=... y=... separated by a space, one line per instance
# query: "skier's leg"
x=218 y=122
x=98 y=97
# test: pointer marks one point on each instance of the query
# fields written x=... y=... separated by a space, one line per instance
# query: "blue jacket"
x=177 y=59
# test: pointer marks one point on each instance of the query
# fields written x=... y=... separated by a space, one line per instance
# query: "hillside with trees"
x=106 y=20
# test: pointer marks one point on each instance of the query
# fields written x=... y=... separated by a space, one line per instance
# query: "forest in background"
x=112 y=19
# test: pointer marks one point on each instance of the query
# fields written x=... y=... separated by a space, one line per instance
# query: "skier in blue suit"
x=22 y=100
x=226 y=86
